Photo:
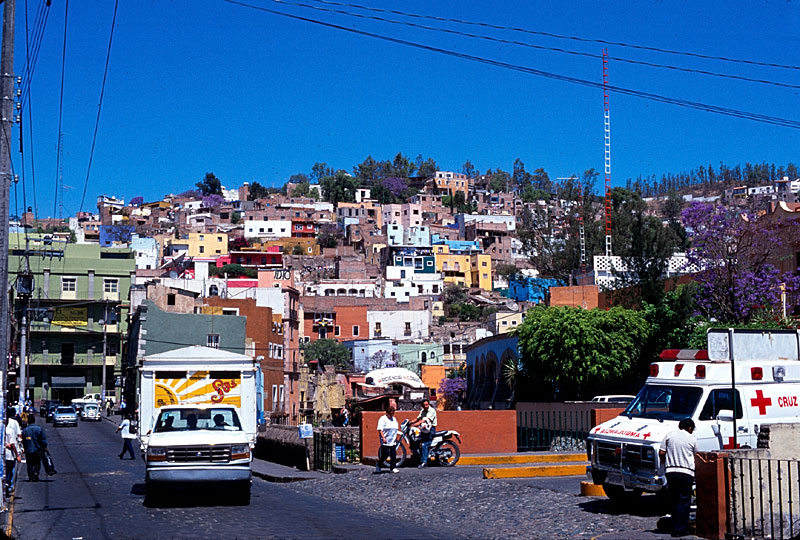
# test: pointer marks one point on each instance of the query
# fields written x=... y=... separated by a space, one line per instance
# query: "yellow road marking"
x=531 y=472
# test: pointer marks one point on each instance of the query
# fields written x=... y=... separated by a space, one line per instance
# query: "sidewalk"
x=273 y=472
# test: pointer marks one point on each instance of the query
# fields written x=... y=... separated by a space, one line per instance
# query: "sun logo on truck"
x=197 y=388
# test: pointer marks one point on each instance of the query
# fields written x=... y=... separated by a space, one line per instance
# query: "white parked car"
x=91 y=412
x=613 y=399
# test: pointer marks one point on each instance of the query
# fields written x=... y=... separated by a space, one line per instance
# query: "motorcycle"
x=444 y=450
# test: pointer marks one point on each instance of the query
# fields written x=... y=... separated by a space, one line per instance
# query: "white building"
x=610 y=272
x=402 y=282
x=267 y=229
x=145 y=250
x=342 y=287
x=399 y=325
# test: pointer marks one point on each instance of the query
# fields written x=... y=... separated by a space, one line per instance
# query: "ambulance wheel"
x=618 y=494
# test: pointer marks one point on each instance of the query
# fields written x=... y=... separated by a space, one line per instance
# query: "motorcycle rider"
x=426 y=419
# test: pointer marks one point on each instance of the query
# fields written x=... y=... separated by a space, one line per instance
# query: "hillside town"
x=321 y=294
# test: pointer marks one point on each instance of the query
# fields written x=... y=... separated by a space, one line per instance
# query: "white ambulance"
x=754 y=373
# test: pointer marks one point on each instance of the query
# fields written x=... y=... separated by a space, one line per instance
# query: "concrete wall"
x=482 y=432
x=578 y=416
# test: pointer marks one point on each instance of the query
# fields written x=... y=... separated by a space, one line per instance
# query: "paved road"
x=97 y=496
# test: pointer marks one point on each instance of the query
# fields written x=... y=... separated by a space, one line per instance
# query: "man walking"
x=127 y=437
x=389 y=433
x=34 y=442
x=12 y=450
x=426 y=419
x=678 y=454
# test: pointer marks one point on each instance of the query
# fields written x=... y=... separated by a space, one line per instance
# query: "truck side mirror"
x=725 y=415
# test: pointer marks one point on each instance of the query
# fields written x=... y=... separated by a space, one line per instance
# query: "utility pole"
x=7 y=121
x=103 y=358
x=23 y=344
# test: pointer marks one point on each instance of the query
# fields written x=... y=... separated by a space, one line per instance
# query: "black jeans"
x=387 y=451
x=127 y=446
x=680 y=491
x=33 y=460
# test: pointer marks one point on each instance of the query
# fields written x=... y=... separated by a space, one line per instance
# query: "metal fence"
x=333 y=448
x=764 y=498
x=553 y=430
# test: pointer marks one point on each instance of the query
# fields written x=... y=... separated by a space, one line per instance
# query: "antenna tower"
x=607 y=140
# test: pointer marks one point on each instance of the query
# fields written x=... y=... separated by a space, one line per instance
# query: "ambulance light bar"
x=684 y=354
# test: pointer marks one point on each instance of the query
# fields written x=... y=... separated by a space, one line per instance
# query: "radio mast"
x=607 y=137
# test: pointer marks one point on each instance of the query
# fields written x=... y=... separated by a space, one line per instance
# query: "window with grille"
x=69 y=284
x=110 y=285
x=213 y=341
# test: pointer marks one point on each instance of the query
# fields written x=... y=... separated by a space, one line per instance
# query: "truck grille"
x=205 y=453
x=631 y=457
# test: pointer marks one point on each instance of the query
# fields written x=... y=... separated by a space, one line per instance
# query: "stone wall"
x=282 y=444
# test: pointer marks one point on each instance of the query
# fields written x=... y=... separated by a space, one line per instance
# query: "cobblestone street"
x=96 y=496
x=479 y=508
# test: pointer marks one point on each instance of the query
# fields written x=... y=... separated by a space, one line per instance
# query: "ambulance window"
x=719 y=399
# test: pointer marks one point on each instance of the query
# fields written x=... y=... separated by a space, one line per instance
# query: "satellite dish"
x=173 y=274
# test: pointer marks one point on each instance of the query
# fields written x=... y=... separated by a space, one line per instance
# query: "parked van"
x=744 y=379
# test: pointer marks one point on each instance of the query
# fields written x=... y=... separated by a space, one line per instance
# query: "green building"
x=412 y=356
x=79 y=297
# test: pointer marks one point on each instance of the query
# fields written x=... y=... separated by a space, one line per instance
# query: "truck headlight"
x=649 y=453
x=240 y=451
x=156 y=453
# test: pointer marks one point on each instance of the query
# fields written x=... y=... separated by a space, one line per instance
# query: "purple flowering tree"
x=137 y=201
x=211 y=201
x=450 y=390
x=738 y=252
x=397 y=186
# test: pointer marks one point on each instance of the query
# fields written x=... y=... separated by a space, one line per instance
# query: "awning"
x=68 y=382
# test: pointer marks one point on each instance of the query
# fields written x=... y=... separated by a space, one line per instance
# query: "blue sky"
x=212 y=86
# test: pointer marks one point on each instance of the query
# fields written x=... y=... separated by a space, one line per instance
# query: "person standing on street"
x=426 y=419
x=678 y=454
x=13 y=453
x=389 y=433
x=34 y=442
x=127 y=437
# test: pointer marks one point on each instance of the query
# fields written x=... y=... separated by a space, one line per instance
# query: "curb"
x=589 y=489
x=533 y=472
x=512 y=459
x=278 y=479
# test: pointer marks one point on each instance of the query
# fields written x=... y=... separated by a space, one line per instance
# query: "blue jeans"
x=425 y=446
x=11 y=469
x=384 y=452
x=680 y=489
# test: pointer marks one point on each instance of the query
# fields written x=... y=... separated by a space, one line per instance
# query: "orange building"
x=341 y=323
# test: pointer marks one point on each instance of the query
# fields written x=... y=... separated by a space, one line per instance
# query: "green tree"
x=367 y=172
x=210 y=185
x=328 y=352
x=426 y=168
x=469 y=169
x=303 y=189
x=570 y=353
x=339 y=187
x=257 y=191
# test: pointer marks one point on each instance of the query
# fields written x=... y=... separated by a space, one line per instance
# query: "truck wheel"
x=242 y=493
x=153 y=494
x=618 y=494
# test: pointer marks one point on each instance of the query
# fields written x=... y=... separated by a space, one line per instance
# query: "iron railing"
x=552 y=430
x=764 y=498
x=332 y=448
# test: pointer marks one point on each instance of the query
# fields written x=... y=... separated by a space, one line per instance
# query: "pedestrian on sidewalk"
x=678 y=454
x=127 y=437
x=34 y=442
x=389 y=433
x=13 y=450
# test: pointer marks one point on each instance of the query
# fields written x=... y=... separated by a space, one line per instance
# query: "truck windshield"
x=197 y=419
x=662 y=402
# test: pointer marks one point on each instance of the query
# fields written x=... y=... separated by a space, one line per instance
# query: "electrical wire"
x=39 y=26
x=30 y=128
x=61 y=106
x=99 y=105
x=542 y=47
x=562 y=36
x=725 y=111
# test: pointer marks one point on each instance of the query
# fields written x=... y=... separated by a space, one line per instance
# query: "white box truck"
x=198 y=420
x=746 y=378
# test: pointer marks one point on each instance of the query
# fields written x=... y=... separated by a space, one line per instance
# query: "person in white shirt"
x=127 y=437
x=678 y=453
x=13 y=451
x=389 y=433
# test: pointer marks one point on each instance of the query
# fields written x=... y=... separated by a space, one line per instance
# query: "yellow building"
x=467 y=270
x=448 y=183
x=207 y=244
x=291 y=246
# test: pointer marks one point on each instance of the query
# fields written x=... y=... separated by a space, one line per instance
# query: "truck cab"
x=198 y=443
x=729 y=396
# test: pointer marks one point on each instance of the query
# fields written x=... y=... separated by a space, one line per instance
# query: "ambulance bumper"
x=629 y=480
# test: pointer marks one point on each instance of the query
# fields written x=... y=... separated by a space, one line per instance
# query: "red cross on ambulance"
x=761 y=402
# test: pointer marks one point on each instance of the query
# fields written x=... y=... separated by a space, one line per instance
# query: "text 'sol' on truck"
x=198 y=418
x=752 y=372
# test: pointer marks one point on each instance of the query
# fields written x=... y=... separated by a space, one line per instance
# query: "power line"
x=736 y=113
x=36 y=43
x=61 y=108
x=30 y=127
x=100 y=104
x=541 y=47
x=562 y=36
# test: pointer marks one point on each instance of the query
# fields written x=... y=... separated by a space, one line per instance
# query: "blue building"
x=528 y=289
x=486 y=386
